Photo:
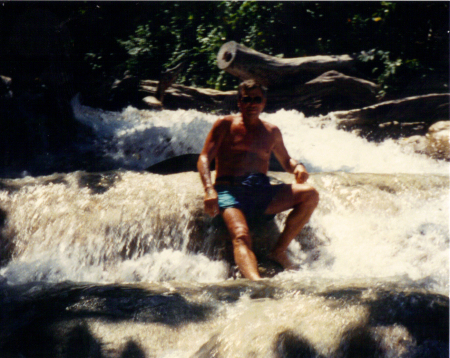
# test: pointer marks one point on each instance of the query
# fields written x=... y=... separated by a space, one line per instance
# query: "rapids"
x=136 y=139
x=133 y=267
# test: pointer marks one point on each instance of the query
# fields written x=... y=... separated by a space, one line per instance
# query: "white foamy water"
x=323 y=148
x=137 y=139
x=136 y=231
x=369 y=230
x=141 y=228
x=146 y=272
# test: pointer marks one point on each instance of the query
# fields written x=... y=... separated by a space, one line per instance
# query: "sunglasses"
x=248 y=99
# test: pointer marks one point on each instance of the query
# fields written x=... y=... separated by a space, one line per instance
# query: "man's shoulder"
x=270 y=126
x=222 y=125
x=226 y=121
x=229 y=118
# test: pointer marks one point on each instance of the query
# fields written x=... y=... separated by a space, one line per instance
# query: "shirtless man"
x=241 y=145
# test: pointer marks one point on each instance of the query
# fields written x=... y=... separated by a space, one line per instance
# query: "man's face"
x=252 y=102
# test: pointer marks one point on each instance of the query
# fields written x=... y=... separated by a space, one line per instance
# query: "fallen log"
x=331 y=91
x=308 y=84
x=395 y=119
x=184 y=97
x=246 y=63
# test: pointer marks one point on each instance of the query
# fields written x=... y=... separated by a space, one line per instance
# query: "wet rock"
x=434 y=144
x=418 y=143
x=331 y=91
x=178 y=164
x=438 y=136
x=188 y=162
x=395 y=119
x=152 y=102
x=6 y=240
x=284 y=319
x=291 y=345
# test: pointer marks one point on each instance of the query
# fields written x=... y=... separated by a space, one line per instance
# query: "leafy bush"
x=394 y=41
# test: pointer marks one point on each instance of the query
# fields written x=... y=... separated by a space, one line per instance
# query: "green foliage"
x=394 y=41
x=384 y=68
x=409 y=42
x=195 y=32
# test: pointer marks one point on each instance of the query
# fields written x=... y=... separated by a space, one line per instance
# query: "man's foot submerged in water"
x=283 y=259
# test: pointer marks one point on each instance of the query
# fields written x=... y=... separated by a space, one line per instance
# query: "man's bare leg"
x=242 y=245
x=303 y=199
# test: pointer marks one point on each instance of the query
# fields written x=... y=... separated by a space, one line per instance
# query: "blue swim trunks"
x=251 y=193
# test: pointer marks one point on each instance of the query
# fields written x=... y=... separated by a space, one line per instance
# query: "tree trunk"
x=246 y=63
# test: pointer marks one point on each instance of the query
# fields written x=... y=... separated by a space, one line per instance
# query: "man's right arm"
x=209 y=152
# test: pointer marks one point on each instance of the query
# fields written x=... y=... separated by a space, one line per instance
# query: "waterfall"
x=136 y=139
x=129 y=262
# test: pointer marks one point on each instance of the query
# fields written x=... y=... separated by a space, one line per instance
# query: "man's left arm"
x=289 y=164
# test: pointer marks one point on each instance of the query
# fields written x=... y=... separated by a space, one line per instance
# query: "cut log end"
x=245 y=63
x=226 y=54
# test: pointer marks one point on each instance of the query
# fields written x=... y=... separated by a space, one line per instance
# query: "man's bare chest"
x=251 y=140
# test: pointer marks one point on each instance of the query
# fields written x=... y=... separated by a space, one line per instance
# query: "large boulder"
x=331 y=91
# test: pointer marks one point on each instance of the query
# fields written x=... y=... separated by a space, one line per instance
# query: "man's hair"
x=251 y=84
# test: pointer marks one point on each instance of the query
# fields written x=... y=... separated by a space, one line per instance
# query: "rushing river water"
x=125 y=264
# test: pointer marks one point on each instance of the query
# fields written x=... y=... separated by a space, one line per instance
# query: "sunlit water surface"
x=383 y=217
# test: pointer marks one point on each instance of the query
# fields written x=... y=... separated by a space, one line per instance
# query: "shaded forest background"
x=402 y=46
x=51 y=51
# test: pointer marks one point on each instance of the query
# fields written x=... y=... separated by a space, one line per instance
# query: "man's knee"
x=313 y=197
x=308 y=196
x=241 y=238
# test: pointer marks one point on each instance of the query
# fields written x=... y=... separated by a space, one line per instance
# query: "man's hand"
x=301 y=174
x=211 y=202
